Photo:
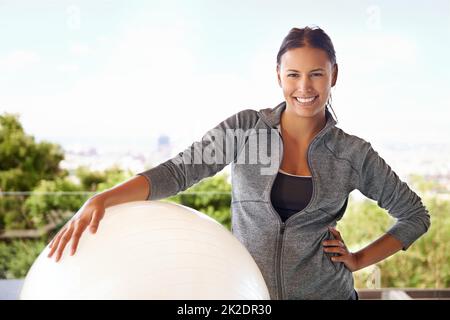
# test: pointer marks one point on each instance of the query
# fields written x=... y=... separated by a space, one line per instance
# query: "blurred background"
x=93 y=92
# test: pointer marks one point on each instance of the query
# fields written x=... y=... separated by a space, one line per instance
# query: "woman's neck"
x=301 y=129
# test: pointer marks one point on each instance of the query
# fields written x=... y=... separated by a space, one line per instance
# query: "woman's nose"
x=305 y=84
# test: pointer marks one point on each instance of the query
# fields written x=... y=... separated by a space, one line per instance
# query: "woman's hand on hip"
x=338 y=246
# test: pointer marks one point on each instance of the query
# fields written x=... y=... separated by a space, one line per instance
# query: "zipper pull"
x=283 y=226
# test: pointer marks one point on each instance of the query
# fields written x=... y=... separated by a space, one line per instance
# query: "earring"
x=329 y=102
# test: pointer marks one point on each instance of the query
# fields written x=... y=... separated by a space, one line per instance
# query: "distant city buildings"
x=432 y=161
x=98 y=159
x=164 y=145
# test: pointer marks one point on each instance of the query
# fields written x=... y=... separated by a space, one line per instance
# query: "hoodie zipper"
x=280 y=244
x=283 y=224
x=280 y=235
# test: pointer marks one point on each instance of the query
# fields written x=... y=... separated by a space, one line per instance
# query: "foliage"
x=211 y=196
x=17 y=256
x=25 y=162
x=101 y=180
x=113 y=176
x=13 y=214
x=46 y=200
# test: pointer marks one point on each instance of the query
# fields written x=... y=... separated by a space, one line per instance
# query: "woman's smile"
x=306 y=101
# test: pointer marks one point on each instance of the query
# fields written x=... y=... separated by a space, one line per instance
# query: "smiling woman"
x=285 y=217
x=306 y=70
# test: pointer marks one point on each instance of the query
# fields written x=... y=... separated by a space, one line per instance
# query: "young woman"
x=284 y=211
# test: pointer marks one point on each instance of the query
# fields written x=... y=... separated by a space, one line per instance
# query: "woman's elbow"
x=426 y=220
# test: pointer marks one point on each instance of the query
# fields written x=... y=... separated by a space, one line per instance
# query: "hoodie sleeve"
x=380 y=183
x=216 y=149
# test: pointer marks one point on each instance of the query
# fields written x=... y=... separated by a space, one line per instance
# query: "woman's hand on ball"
x=89 y=214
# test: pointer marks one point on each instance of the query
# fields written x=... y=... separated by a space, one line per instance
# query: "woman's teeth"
x=305 y=100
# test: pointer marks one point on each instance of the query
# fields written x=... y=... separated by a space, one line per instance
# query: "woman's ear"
x=278 y=77
x=335 y=74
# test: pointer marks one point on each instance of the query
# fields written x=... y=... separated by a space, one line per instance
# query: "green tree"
x=48 y=200
x=17 y=256
x=24 y=162
x=101 y=180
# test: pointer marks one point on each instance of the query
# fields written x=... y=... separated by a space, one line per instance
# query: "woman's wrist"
x=358 y=260
x=100 y=198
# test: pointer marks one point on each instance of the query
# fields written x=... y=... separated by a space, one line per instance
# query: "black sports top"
x=290 y=194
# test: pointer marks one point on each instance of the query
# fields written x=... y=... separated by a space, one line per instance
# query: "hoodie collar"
x=272 y=116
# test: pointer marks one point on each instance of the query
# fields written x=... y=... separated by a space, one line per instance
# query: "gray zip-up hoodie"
x=290 y=255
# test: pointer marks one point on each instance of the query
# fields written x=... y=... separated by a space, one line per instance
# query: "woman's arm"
x=379 y=182
x=378 y=250
x=135 y=189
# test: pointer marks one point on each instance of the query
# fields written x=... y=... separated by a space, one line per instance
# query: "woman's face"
x=306 y=77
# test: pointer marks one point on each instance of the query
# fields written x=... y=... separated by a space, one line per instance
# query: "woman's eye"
x=313 y=74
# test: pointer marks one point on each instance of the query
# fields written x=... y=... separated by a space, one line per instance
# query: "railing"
x=36 y=233
x=403 y=294
x=10 y=290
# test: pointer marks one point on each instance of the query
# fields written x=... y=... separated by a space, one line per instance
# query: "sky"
x=121 y=73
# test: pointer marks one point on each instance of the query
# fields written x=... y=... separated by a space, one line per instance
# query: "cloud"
x=376 y=52
x=18 y=60
x=148 y=85
x=79 y=49
x=373 y=83
x=145 y=86
x=68 y=68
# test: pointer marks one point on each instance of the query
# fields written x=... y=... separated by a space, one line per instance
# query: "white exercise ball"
x=150 y=250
